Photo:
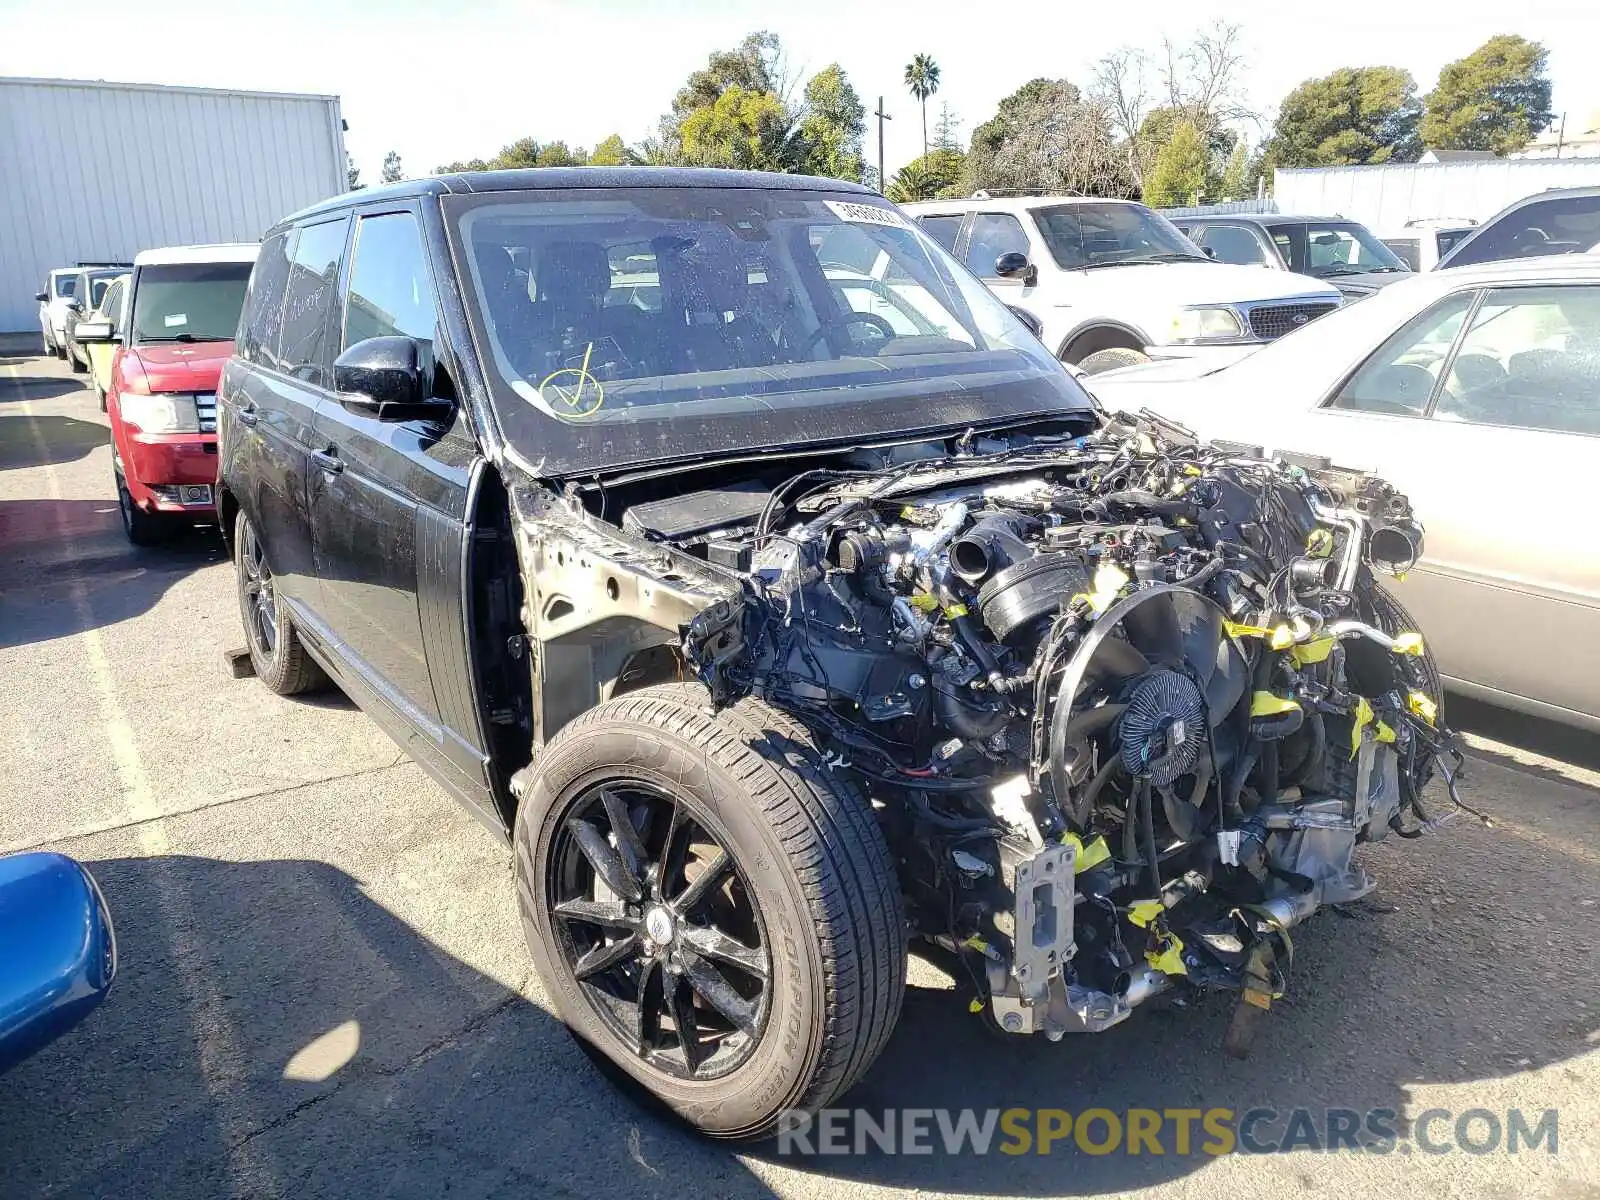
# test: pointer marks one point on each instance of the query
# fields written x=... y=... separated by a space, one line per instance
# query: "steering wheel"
x=844 y=322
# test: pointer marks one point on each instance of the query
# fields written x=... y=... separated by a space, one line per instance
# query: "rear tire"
x=806 y=858
x=78 y=367
x=1112 y=359
x=279 y=658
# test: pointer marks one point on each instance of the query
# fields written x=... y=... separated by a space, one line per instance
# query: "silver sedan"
x=1477 y=392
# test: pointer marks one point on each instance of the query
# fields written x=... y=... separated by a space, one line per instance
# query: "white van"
x=1114 y=283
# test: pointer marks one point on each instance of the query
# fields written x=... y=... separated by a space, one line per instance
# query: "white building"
x=1566 y=139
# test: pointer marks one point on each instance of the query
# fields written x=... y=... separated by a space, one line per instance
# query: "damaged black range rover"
x=724 y=544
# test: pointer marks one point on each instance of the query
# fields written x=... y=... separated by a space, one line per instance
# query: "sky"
x=438 y=83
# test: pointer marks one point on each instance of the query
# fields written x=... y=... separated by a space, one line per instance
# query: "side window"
x=1407 y=250
x=1563 y=225
x=1530 y=359
x=307 y=301
x=112 y=305
x=943 y=230
x=390 y=291
x=1235 y=244
x=993 y=234
x=261 y=319
x=1399 y=378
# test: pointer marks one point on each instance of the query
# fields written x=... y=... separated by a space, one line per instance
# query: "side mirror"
x=42 y=297
x=1211 y=252
x=383 y=377
x=1035 y=326
x=1014 y=264
x=59 y=951
x=87 y=332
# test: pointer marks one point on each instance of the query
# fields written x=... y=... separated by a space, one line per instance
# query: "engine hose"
x=1319 y=747
x=1152 y=851
x=1149 y=502
x=1203 y=576
x=1084 y=810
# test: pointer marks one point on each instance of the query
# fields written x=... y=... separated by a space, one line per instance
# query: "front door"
x=388 y=497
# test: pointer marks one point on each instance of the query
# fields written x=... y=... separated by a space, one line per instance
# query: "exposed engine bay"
x=1124 y=703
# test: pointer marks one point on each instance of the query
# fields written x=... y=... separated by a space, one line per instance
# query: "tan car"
x=103 y=354
x=1476 y=391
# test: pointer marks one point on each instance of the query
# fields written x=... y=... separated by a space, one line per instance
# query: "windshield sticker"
x=866 y=214
x=173 y=320
x=572 y=391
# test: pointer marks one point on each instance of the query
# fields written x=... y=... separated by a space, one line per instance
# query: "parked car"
x=1477 y=391
x=1423 y=243
x=182 y=310
x=739 y=592
x=58 y=952
x=1343 y=253
x=88 y=293
x=1114 y=283
x=1558 y=221
x=103 y=355
x=54 y=298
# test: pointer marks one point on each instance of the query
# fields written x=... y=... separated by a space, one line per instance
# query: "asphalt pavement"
x=324 y=989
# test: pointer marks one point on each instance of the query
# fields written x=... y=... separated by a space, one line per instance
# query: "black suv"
x=725 y=546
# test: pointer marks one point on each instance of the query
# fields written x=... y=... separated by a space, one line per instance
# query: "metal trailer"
x=1388 y=198
x=96 y=172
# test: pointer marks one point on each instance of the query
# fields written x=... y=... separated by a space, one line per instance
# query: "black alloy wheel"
x=257 y=595
x=657 y=924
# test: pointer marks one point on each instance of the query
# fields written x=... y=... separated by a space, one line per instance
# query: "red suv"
x=176 y=334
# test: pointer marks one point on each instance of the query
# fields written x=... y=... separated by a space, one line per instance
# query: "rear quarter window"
x=262 y=319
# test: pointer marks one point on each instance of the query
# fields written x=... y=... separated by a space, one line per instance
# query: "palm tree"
x=922 y=79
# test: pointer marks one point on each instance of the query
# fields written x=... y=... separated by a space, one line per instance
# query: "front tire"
x=142 y=528
x=279 y=658
x=714 y=913
x=79 y=367
x=1111 y=360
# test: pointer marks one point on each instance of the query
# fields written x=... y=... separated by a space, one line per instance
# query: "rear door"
x=285 y=337
x=389 y=504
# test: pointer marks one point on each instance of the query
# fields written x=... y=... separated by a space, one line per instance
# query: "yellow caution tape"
x=1382 y=732
x=1363 y=717
x=1143 y=912
x=1279 y=637
x=1425 y=708
x=1270 y=704
x=1411 y=644
x=974 y=1005
x=924 y=602
x=1319 y=543
x=955 y=610
x=1087 y=856
x=1168 y=959
x=1109 y=580
x=1314 y=651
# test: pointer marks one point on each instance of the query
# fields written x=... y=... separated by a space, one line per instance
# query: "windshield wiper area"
x=1147 y=259
x=188 y=337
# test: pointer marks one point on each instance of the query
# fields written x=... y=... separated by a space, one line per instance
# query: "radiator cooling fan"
x=1156 y=672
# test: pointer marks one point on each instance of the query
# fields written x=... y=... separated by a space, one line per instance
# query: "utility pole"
x=1561 y=137
x=883 y=184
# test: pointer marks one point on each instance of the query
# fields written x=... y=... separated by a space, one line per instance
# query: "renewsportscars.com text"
x=1177 y=1132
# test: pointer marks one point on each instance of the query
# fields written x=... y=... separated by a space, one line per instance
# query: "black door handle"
x=328 y=461
x=248 y=416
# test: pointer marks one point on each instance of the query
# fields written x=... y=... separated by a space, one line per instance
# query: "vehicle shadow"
x=65 y=439
x=1377 y=1005
x=39 y=387
x=54 y=552
x=275 y=1032
x=1561 y=742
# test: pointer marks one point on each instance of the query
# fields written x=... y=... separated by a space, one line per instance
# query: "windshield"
x=1561 y=225
x=1095 y=234
x=647 y=324
x=1332 y=248
x=188 y=302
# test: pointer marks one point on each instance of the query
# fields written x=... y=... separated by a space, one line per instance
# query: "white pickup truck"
x=1114 y=283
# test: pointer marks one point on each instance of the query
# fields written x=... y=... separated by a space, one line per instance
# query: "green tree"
x=557 y=154
x=754 y=65
x=924 y=178
x=834 y=125
x=745 y=130
x=1046 y=137
x=1353 y=116
x=922 y=81
x=1237 y=183
x=1496 y=98
x=1178 y=175
x=352 y=174
x=947 y=129
x=393 y=172
x=613 y=152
